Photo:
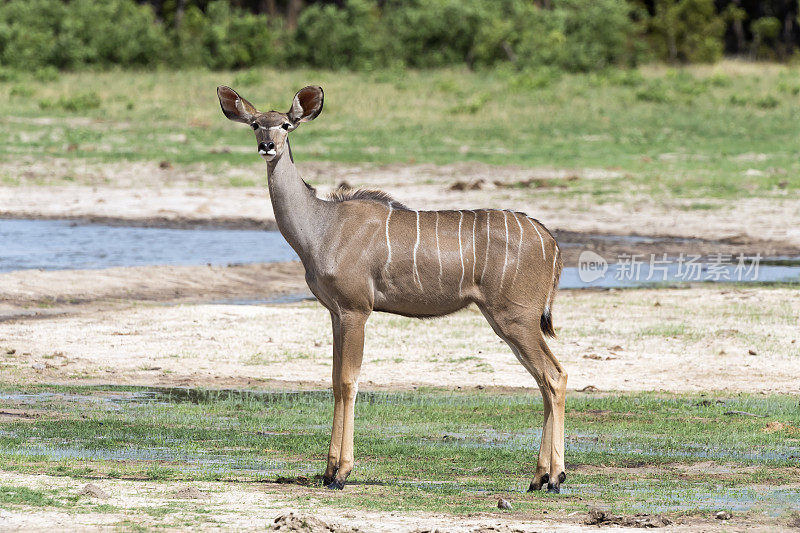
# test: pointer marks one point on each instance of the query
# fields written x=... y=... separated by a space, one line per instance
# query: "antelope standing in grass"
x=363 y=251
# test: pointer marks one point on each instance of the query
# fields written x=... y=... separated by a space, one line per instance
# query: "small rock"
x=94 y=491
x=37 y=366
x=190 y=493
x=502 y=503
x=723 y=515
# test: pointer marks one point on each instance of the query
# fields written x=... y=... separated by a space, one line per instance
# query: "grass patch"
x=694 y=132
x=422 y=449
x=27 y=496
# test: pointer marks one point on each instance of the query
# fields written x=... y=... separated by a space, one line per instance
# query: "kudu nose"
x=266 y=147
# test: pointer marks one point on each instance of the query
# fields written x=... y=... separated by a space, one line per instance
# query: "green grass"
x=726 y=131
x=422 y=450
x=26 y=496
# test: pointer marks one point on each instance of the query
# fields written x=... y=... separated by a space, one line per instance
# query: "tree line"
x=571 y=35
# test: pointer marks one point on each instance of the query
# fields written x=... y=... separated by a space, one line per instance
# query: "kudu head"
x=272 y=128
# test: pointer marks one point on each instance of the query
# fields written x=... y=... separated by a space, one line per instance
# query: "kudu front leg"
x=351 y=343
x=338 y=406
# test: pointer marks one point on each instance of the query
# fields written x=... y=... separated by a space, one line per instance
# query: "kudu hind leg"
x=545 y=465
x=351 y=334
x=558 y=382
x=524 y=337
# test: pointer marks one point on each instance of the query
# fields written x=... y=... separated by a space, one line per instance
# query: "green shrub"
x=598 y=34
x=349 y=37
x=21 y=91
x=7 y=74
x=764 y=29
x=76 y=103
x=46 y=74
x=225 y=37
x=37 y=33
x=767 y=102
x=434 y=33
x=575 y=35
x=687 y=31
x=654 y=92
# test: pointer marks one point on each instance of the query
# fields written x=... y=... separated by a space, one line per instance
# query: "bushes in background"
x=571 y=35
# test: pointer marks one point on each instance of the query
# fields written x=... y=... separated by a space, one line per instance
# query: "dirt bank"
x=35 y=293
x=144 y=193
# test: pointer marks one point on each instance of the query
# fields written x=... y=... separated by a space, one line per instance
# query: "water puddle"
x=66 y=245
x=199 y=461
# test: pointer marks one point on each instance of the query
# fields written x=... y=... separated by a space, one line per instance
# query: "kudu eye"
x=285 y=125
x=254 y=125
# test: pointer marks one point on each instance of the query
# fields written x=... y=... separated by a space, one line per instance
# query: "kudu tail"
x=547 y=317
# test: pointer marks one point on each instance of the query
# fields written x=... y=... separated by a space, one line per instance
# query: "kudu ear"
x=234 y=106
x=307 y=104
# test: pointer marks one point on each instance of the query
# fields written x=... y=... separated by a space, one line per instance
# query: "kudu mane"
x=361 y=193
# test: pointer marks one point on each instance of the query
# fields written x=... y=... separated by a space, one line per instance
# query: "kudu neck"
x=298 y=211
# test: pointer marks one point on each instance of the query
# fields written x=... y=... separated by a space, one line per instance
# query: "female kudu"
x=363 y=251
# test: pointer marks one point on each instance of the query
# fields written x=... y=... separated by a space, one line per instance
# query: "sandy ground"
x=142 y=192
x=695 y=339
x=255 y=507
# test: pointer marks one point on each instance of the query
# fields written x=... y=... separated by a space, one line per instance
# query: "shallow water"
x=66 y=245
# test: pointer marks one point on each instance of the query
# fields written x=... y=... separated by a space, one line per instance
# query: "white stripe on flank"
x=488 y=233
x=519 y=249
x=474 y=258
x=550 y=291
x=505 y=261
x=438 y=250
x=539 y=234
x=388 y=243
x=416 y=246
x=460 y=252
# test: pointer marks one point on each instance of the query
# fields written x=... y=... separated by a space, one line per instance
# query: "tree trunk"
x=293 y=13
x=269 y=7
x=179 y=9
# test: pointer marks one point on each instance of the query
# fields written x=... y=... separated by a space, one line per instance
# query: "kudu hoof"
x=555 y=488
x=335 y=485
x=327 y=480
x=537 y=485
